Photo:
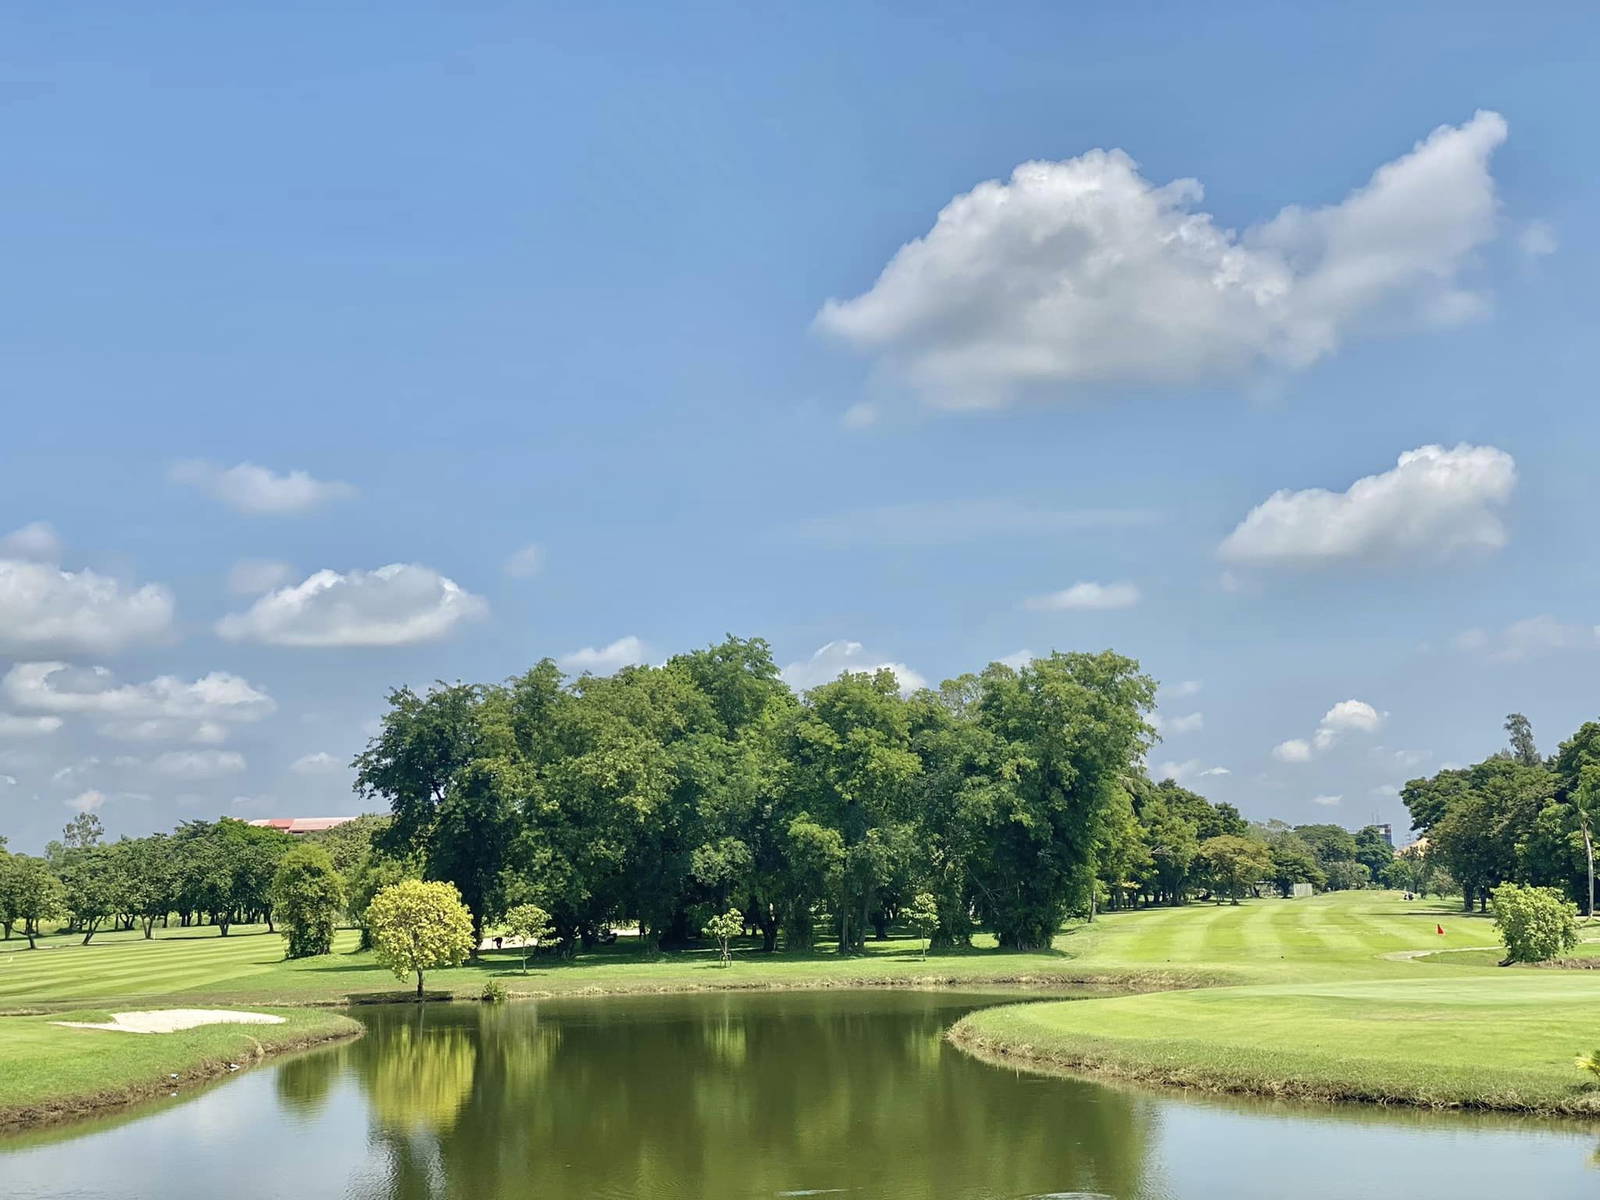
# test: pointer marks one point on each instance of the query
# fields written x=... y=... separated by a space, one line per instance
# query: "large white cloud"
x=259 y=491
x=1083 y=271
x=828 y=662
x=47 y=610
x=605 y=660
x=396 y=605
x=165 y=708
x=1086 y=596
x=1433 y=504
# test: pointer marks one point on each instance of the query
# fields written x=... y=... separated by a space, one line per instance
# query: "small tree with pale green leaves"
x=724 y=928
x=922 y=914
x=418 y=926
x=530 y=925
x=1535 y=923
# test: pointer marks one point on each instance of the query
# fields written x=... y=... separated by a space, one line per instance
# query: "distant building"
x=299 y=825
x=1388 y=834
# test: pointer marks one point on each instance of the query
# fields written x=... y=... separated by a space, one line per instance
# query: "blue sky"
x=342 y=350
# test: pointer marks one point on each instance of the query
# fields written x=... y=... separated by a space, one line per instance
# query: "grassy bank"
x=53 y=1073
x=1322 y=1007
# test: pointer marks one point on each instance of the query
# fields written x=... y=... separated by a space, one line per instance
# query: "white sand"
x=170 y=1020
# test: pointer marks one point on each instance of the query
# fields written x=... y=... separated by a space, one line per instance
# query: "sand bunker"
x=170 y=1020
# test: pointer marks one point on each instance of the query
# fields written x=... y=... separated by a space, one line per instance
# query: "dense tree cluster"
x=1515 y=817
x=664 y=796
x=204 y=873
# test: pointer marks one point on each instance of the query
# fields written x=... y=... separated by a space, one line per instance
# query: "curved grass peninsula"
x=1348 y=996
x=70 y=1064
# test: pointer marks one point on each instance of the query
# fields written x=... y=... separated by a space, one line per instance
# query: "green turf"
x=1325 y=1003
x=52 y=1072
x=248 y=967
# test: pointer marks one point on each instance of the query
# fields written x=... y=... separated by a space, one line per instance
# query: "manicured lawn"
x=248 y=967
x=1325 y=1008
x=52 y=1072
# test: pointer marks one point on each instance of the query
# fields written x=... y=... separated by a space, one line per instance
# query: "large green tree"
x=1069 y=730
x=308 y=897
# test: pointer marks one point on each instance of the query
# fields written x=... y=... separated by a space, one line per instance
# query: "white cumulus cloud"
x=396 y=605
x=47 y=610
x=626 y=651
x=1326 y=801
x=1345 y=717
x=86 y=801
x=1083 y=271
x=1295 y=750
x=828 y=662
x=1086 y=596
x=259 y=491
x=164 y=708
x=1435 y=503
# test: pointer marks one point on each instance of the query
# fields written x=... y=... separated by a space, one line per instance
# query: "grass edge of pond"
x=193 y=1060
x=1003 y=1035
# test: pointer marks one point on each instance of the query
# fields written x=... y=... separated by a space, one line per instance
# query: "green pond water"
x=750 y=1097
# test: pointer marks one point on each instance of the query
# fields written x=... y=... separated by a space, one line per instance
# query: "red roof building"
x=299 y=825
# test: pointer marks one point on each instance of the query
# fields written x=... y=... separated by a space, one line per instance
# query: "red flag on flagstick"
x=1438 y=929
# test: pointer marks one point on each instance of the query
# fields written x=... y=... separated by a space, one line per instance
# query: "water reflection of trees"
x=726 y=1096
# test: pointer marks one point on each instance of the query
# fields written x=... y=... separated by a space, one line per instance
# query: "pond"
x=751 y=1096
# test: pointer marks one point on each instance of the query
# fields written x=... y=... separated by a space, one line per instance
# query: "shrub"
x=1535 y=923
x=494 y=992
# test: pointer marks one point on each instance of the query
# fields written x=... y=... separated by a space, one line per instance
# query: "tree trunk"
x=419 y=987
x=1588 y=851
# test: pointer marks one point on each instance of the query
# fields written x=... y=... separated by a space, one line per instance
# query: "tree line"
x=663 y=797
x=1516 y=817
